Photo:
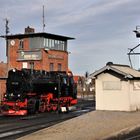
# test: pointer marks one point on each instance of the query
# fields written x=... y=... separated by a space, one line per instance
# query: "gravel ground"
x=95 y=125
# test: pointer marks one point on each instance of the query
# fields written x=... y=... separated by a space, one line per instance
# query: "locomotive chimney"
x=29 y=30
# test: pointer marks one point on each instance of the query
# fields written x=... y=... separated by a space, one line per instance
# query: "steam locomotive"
x=29 y=91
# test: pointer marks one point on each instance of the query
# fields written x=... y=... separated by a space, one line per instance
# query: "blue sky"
x=102 y=28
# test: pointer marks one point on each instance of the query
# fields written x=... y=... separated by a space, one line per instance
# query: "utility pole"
x=43 y=20
x=6 y=33
x=131 y=51
x=6 y=26
x=7 y=48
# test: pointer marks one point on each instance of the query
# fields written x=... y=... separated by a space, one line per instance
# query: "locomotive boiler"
x=30 y=91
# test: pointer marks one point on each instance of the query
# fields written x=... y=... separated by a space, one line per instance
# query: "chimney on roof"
x=29 y=30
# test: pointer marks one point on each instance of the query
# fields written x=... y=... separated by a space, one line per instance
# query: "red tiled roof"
x=76 y=78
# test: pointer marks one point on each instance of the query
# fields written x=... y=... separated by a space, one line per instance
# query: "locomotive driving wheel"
x=31 y=107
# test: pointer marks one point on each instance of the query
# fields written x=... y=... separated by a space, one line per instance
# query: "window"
x=51 y=66
x=24 y=65
x=21 y=45
x=36 y=42
x=52 y=44
x=59 y=67
x=55 y=44
x=62 y=45
x=32 y=65
x=47 y=42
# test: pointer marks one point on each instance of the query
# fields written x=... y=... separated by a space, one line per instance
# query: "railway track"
x=20 y=131
x=12 y=128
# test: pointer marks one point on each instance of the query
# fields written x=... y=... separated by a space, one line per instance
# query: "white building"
x=117 y=88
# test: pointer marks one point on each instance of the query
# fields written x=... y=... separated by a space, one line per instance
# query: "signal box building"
x=40 y=51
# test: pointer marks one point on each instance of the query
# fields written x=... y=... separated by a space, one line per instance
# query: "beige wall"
x=110 y=99
x=135 y=95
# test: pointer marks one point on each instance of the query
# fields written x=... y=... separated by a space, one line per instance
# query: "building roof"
x=42 y=34
x=126 y=71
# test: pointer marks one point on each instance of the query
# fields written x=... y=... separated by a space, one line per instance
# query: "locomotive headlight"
x=18 y=95
x=55 y=88
x=14 y=70
x=5 y=95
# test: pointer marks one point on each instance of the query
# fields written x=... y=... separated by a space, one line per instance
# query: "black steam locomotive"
x=30 y=91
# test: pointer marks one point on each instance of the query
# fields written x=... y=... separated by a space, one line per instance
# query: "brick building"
x=3 y=75
x=40 y=51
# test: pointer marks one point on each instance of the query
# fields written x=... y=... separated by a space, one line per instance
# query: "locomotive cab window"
x=65 y=81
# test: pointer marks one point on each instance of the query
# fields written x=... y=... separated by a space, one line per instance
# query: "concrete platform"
x=96 y=125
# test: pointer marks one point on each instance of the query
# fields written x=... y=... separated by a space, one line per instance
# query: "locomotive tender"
x=30 y=91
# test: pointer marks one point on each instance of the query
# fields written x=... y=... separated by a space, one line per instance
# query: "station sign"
x=29 y=55
x=52 y=56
